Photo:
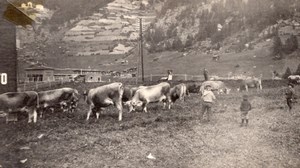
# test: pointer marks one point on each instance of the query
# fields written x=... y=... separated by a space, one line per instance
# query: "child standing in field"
x=290 y=96
x=208 y=98
x=245 y=108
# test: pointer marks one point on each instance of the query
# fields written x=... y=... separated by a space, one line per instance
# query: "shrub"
x=298 y=70
x=287 y=73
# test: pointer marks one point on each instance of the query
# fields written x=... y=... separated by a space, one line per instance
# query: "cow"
x=193 y=88
x=178 y=92
x=104 y=96
x=20 y=101
x=57 y=97
x=252 y=82
x=218 y=86
x=151 y=94
x=295 y=79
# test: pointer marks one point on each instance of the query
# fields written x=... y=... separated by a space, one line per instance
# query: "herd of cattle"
x=98 y=98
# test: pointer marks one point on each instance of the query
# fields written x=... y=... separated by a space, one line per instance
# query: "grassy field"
x=176 y=137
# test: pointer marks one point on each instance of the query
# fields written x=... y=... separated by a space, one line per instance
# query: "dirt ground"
x=175 y=138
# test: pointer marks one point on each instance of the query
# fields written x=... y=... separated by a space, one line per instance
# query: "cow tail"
x=76 y=91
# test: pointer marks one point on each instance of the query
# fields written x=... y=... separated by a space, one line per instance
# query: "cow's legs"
x=32 y=114
x=41 y=111
x=164 y=107
x=169 y=102
x=120 y=108
x=89 y=112
x=97 y=111
x=145 y=107
x=97 y=115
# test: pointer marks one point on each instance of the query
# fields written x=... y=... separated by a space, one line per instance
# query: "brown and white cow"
x=56 y=97
x=150 y=94
x=178 y=92
x=104 y=96
x=218 y=86
x=252 y=82
x=20 y=101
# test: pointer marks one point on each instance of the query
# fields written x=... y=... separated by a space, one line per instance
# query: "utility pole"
x=141 y=48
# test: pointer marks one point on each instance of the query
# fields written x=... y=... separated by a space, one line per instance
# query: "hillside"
x=240 y=32
x=193 y=21
x=180 y=35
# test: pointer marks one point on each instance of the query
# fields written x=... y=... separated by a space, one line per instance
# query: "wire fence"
x=26 y=86
x=148 y=79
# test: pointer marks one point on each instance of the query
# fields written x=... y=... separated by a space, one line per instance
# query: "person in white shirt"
x=208 y=99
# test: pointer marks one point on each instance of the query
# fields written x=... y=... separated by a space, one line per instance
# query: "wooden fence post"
x=36 y=85
x=185 y=77
x=151 y=77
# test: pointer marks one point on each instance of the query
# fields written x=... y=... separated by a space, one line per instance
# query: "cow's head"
x=132 y=104
x=130 y=107
x=136 y=103
x=227 y=90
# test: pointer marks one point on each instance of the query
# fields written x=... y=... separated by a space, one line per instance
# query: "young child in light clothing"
x=208 y=99
x=245 y=108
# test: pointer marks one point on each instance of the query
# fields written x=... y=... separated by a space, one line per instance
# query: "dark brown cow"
x=104 y=96
x=127 y=96
x=178 y=92
x=193 y=88
x=20 y=101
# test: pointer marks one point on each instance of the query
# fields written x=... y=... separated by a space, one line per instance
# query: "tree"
x=277 y=46
x=177 y=44
x=298 y=70
x=189 y=41
x=157 y=35
x=172 y=30
x=287 y=73
x=291 y=44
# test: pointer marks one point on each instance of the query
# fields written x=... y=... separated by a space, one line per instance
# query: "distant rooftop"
x=39 y=68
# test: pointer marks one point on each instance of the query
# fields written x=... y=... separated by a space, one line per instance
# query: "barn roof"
x=39 y=68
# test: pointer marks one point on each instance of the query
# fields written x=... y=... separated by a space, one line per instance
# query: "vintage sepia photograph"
x=149 y=83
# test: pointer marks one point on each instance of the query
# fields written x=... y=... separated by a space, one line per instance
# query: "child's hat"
x=290 y=84
x=207 y=86
x=245 y=96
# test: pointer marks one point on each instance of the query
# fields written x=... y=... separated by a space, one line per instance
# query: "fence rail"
x=26 y=86
x=152 y=78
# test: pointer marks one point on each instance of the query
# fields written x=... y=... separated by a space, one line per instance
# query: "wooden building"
x=39 y=74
